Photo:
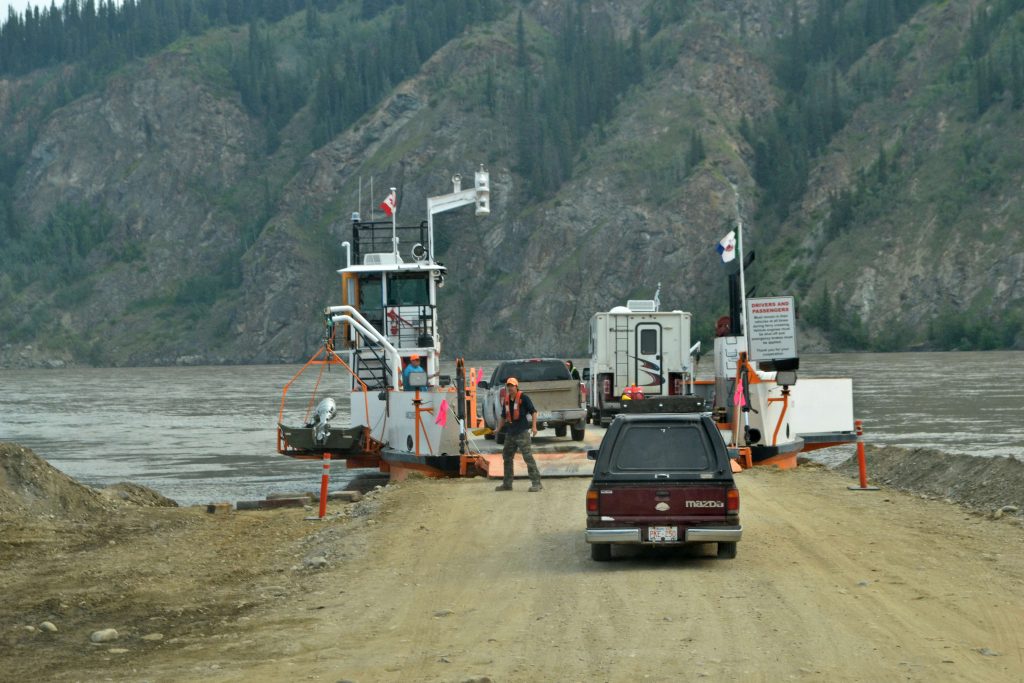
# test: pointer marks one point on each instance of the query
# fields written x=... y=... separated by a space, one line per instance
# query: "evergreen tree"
x=819 y=312
x=695 y=153
x=490 y=90
x=521 y=57
x=312 y=19
x=1016 y=75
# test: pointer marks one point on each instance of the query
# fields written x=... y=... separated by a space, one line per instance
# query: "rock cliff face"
x=220 y=252
x=157 y=151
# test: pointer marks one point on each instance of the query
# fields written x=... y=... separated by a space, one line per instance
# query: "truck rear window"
x=532 y=371
x=662 y=447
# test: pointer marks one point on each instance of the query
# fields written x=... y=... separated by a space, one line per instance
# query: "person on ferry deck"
x=518 y=413
x=413 y=366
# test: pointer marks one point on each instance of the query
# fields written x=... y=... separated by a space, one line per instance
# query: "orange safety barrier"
x=470 y=407
x=861 y=464
x=325 y=477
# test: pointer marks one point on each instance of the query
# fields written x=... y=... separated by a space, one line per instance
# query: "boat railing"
x=376 y=237
x=410 y=327
x=351 y=316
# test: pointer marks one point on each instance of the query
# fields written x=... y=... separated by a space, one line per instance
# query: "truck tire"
x=600 y=552
x=560 y=430
x=499 y=438
x=726 y=551
x=578 y=434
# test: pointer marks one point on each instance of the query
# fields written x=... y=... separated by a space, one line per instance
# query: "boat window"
x=370 y=297
x=409 y=290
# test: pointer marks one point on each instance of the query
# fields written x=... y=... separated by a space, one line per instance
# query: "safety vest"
x=512 y=415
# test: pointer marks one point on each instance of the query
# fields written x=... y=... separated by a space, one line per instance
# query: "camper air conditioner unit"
x=641 y=305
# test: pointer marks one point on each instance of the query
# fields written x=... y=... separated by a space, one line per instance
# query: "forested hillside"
x=896 y=150
x=176 y=175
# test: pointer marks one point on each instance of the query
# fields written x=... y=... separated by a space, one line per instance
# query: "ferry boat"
x=389 y=315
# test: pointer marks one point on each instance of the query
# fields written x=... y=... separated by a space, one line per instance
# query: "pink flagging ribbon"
x=442 y=413
x=737 y=398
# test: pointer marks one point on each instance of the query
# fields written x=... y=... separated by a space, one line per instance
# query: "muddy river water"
x=201 y=434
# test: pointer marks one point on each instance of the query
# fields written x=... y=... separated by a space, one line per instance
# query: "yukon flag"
x=727 y=247
x=389 y=204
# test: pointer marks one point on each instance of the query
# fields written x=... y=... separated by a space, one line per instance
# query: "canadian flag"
x=390 y=203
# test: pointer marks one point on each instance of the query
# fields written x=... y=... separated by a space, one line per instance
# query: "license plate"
x=662 y=534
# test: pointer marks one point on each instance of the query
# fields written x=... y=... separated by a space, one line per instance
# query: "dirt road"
x=450 y=581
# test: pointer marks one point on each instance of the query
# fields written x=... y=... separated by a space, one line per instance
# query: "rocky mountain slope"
x=210 y=245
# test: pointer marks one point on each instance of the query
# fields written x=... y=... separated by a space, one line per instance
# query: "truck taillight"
x=675 y=384
x=591 y=502
x=732 y=501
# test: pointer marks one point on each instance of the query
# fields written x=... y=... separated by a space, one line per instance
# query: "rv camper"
x=637 y=345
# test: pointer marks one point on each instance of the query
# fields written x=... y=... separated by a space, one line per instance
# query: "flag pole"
x=743 y=284
x=394 y=223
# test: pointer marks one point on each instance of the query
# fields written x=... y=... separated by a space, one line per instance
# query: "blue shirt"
x=409 y=369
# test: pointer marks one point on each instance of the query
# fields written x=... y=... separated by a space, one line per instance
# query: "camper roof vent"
x=642 y=305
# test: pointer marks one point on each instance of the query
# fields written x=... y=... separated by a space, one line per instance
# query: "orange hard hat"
x=414 y=356
x=513 y=381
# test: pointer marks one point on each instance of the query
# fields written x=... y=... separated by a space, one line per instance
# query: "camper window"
x=648 y=342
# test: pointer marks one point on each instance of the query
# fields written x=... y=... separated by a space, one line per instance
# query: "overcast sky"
x=18 y=5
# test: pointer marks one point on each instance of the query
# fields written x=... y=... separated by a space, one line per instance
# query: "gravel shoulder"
x=450 y=581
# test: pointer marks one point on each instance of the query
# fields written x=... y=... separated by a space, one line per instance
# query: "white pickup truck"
x=558 y=398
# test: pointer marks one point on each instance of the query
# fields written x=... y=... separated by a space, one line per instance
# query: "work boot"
x=536 y=487
x=503 y=487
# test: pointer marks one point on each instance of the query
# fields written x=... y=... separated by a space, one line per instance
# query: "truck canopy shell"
x=662 y=447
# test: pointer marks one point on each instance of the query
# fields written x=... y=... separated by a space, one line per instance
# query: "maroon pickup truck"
x=662 y=479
